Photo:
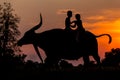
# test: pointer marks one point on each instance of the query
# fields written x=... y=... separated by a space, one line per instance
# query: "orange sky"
x=98 y=16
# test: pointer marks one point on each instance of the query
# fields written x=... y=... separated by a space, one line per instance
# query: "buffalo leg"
x=86 y=60
x=38 y=53
x=97 y=58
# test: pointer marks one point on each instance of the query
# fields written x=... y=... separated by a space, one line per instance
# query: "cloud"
x=102 y=16
x=96 y=18
x=64 y=11
x=105 y=26
x=105 y=20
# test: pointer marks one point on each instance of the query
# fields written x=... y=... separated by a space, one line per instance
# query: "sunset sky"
x=98 y=16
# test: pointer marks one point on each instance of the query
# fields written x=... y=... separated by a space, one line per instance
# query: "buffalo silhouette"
x=59 y=44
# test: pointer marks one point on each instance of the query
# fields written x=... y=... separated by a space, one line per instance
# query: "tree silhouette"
x=8 y=29
x=9 y=34
x=112 y=58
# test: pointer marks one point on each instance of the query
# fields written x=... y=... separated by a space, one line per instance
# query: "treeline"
x=15 y=65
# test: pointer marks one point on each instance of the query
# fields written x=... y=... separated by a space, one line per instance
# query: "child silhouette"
x=80 y=30
x=67 y=21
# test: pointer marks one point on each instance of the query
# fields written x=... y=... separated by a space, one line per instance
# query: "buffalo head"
x=29 y=36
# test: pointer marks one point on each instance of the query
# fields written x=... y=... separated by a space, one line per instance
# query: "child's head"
x=77 y=16
x=69 y=13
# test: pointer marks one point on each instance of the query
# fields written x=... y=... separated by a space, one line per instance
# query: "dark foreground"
x=71 y=73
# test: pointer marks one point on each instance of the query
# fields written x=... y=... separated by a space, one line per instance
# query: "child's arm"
x=73 y=24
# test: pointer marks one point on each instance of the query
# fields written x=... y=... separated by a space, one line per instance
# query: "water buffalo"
x=60 y=44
